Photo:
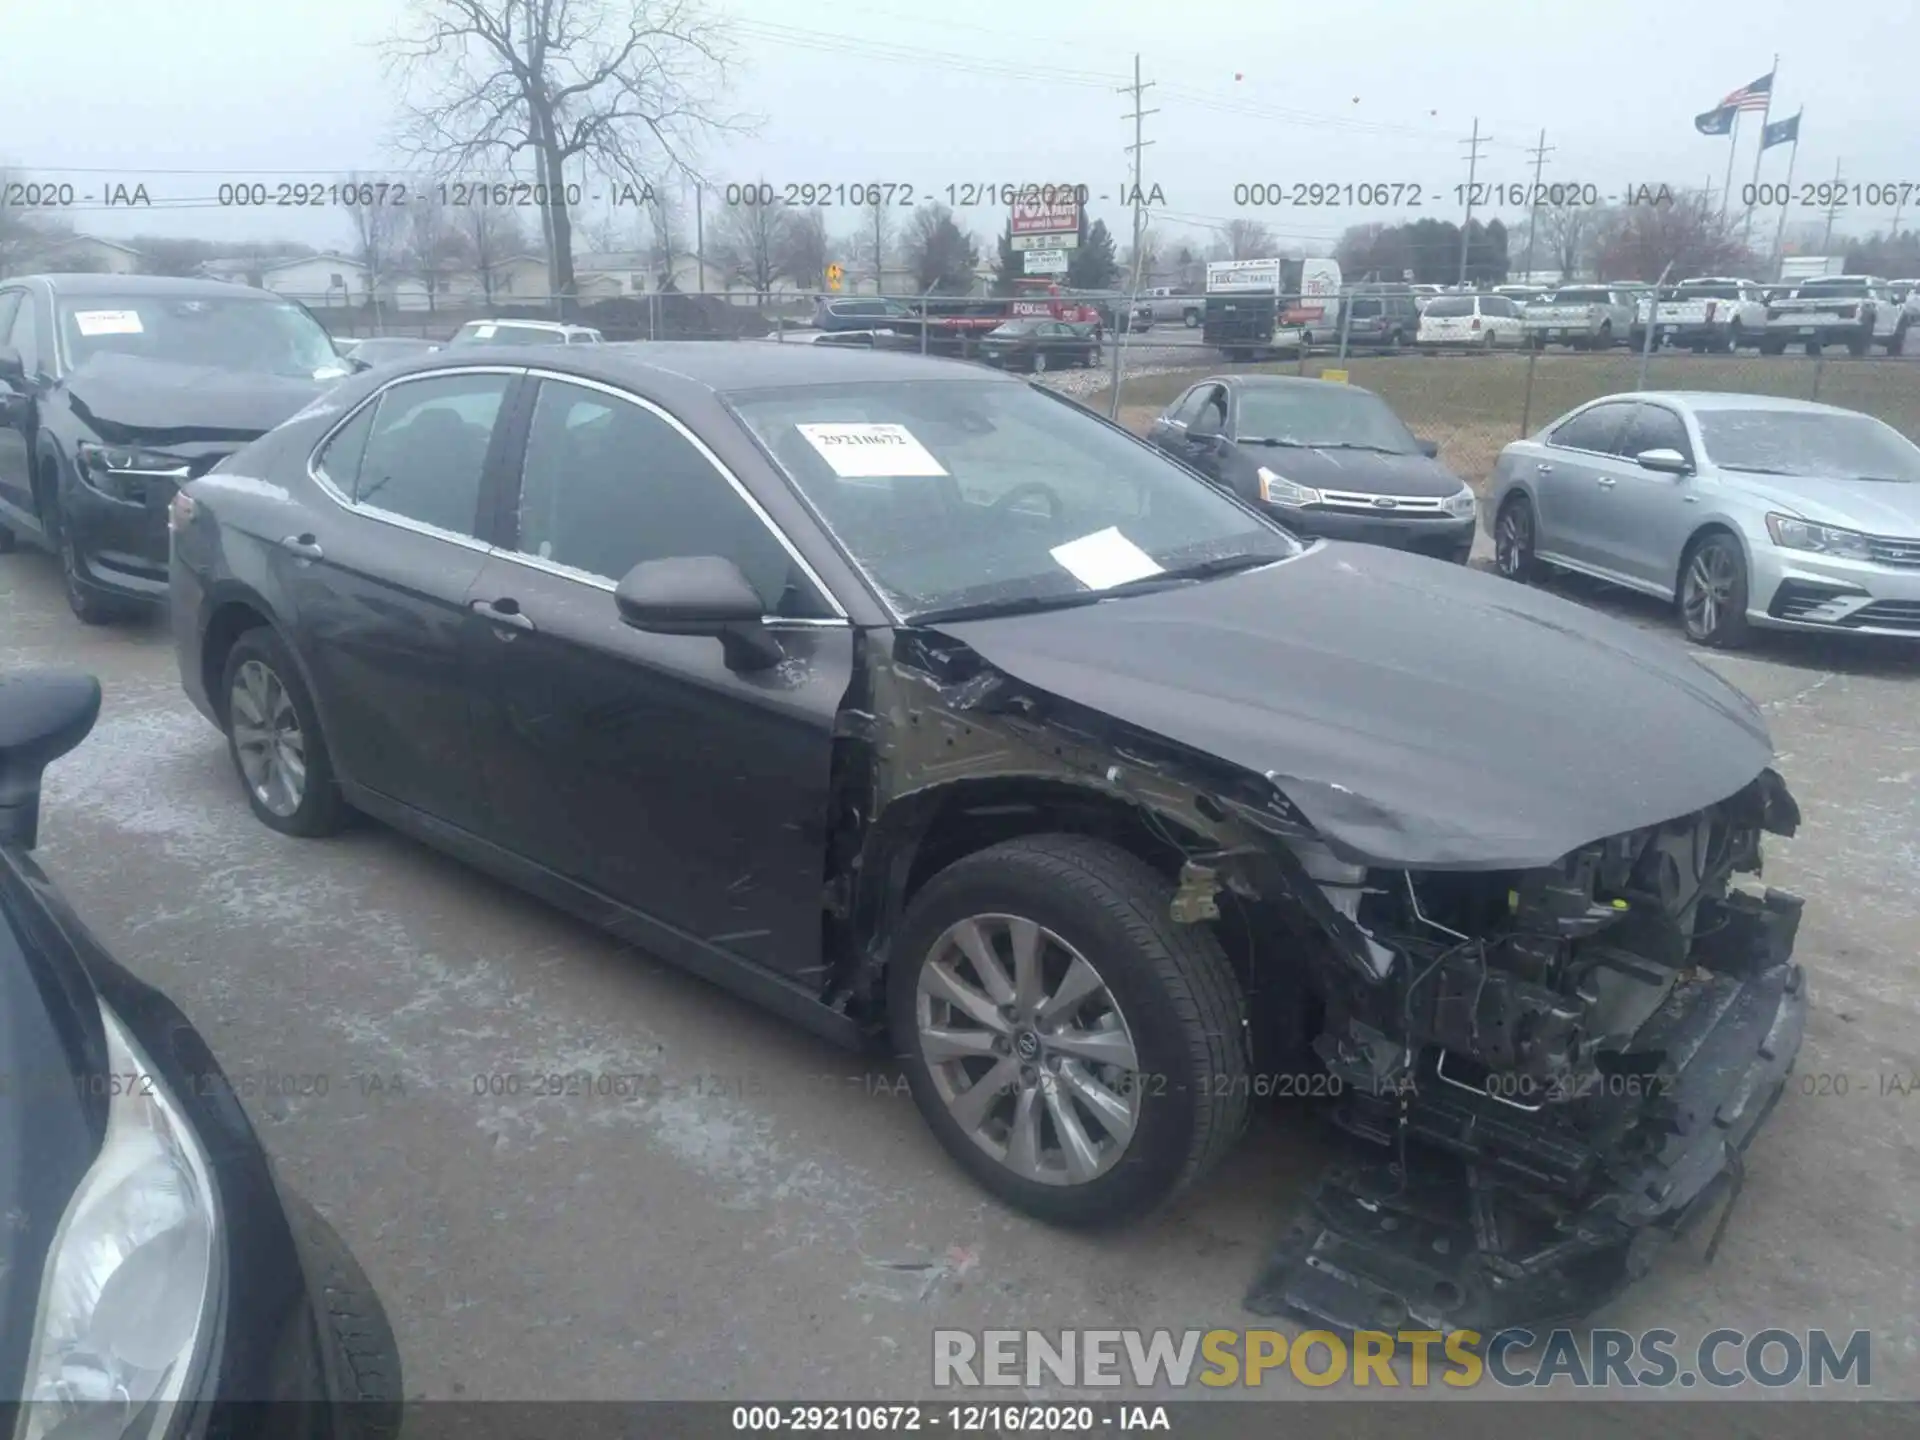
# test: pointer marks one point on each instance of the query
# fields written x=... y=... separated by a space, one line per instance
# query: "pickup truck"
x=1585 y=317
x=1857 y=311
x=1711 y=313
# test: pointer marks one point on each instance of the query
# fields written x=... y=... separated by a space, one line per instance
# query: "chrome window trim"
x=840 y=616
x=374 y=512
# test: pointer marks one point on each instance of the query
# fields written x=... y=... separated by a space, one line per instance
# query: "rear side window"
x=1450 y=307
x=1597 y=429
x=427 y=450
x=339 y=459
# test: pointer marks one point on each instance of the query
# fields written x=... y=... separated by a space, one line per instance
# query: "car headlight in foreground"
x=133 y=1282
x=1463 y=504
x=1278 y=490
x=122 y=473
x=1793 y=533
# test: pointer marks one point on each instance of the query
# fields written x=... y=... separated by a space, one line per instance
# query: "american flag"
x=1751 y=97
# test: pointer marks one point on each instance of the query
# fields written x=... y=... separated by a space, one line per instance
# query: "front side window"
x=608 y=483
x=426 y=451
x=1655 y=427
x=959 y=493
x=247 y=333
x=1597 y=429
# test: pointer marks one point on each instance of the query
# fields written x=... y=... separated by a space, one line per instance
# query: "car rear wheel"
x=1813 y=347
x=1039 y=363
x=1773 y=347
x=1191 y=319
x=273 y=736
x=1075 y=1050
x=1713 y=593
x=1514 y=539
x=1858 y=345
x=1896 y=345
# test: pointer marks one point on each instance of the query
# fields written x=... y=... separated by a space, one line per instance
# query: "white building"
x=318 y=279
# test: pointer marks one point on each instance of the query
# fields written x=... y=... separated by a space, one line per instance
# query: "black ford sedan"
x=1039 y=345
x=1324 y=459
x=920 y=704
x=154 y=1274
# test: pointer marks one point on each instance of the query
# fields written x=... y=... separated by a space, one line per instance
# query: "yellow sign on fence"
x=1339 y=377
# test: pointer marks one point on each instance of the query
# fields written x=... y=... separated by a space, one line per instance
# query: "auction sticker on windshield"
x=1104 y=559
x=870 y=451
x=108 y=322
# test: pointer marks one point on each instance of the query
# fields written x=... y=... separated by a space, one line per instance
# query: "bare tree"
x=493 y=233
x=1566 y=238
x=1686 y=231
x=23 y=232
x=671 y=237
x=876 y=235
x=805 y=247
x=626 y=87
x=376 y=209
x=751 y=241
x=1247 y=240
x=1147 y=262
x=433 y=245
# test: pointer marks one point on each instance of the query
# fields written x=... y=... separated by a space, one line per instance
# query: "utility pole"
x=1473 y=166
x=1123 y=322
x=879 y=261
x=1539 y=153
x=1832 y=210
x=700 y=233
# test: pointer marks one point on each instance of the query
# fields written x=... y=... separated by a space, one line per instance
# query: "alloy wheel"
x=1513 y=540
x=1708 y=590
x=267 y=738
x=1027 y=1049
x=1040 y=364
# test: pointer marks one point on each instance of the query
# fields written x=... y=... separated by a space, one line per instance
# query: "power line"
x=1540 y=153
x=1473 y=165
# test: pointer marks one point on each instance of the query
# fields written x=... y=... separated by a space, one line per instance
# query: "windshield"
x=244 y=333
x=1581 y=297
x=952 y=494
x=1821 y=289
x=492 y=332
x=1807 y=442
x=1016 y=327
x=1448 y=307
x=1322 y=416
x=1708 y=292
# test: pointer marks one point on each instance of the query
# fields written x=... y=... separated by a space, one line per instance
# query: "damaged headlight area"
x=1561 y=1068
x=125 y=474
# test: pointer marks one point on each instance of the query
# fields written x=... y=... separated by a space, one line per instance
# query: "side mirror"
x=1430 y=448
x=43 y=715
x=13 y=370
x=699 y=595
x=1666 y=462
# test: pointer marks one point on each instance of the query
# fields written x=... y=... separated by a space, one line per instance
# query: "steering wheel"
x=1056 y=507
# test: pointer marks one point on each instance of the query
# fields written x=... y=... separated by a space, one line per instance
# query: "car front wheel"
x=1075 y=1050
x=1713 y=593
x=1514 y=540
x=273 y=736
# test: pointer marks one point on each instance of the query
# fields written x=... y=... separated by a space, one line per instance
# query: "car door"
x=640 y=765
x=16 y=414
x=1566 y=480
x=1641 y=516
x=378 y=582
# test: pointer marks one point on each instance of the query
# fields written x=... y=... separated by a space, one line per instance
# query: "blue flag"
x=1716 y=122
x=1781 y=132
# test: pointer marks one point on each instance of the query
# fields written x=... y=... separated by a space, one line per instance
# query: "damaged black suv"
x=920 y=703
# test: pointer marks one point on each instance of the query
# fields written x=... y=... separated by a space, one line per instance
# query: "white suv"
x=525 y=332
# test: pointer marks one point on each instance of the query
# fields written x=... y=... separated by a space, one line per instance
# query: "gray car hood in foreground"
x=1419 y=714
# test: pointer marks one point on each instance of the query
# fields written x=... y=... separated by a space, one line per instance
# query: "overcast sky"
x=180 y=96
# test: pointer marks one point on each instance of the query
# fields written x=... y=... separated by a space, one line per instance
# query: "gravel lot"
x=770 y=1219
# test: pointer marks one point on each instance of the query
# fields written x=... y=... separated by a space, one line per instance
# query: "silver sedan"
x=1743 y=510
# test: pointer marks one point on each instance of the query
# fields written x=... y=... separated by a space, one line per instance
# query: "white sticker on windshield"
x=857 y=451
x=484 y=332
x=108 y=322
x=1104 y=559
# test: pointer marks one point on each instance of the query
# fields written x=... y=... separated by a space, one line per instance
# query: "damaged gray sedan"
x=928 y=708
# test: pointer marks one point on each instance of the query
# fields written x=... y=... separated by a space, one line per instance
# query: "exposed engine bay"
x=1562 y=1064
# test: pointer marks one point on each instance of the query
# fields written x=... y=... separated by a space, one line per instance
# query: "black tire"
x=1716 y=560
x=1515 y=539
x=1637 y=339
x=1604 y=340
x=90 y=604
x=1896 y=345
x=354 y=1324
x=1172 y=984
x=1813 y=347
x=321 y=810
x=1039 y=362
x=1190 y=319
x=1773 y=347
x=1736 y=337
x=1859 y=344
x=1487 y=342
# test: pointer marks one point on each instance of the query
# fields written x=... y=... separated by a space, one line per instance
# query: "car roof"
x=723 y=366
x=91 y=283
x=530 y=324
x=1730 y=400
x=1281 y=382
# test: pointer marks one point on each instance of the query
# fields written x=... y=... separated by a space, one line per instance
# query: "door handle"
x=1606 y=482
x=1544 y=468
x=305 y=547
x=504 y=611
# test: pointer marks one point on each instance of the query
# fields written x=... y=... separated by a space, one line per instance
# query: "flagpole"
x=1780 y=234
x=1733 y=146
x=1773 y=78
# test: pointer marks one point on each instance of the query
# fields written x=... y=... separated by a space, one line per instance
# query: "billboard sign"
x=1041 y=216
